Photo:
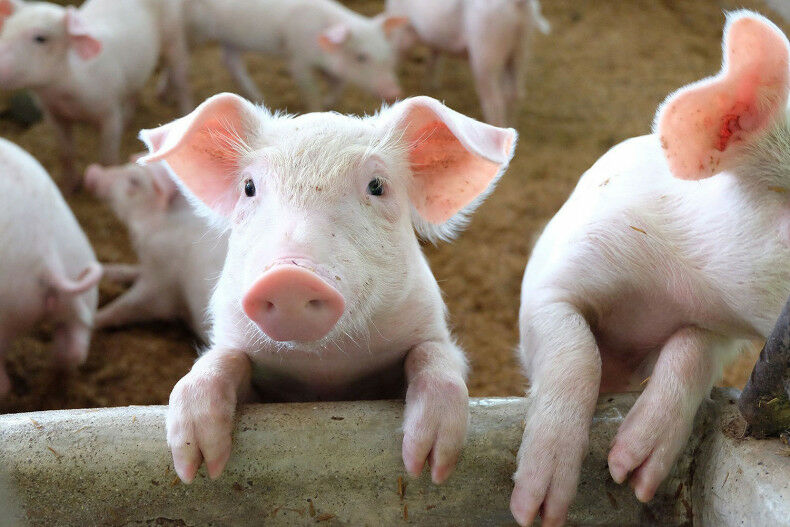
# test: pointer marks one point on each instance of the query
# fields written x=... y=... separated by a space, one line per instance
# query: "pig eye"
x=249 y=188
x=134 y=182
x=362 y=58
x=376 y=187
x=40 y=39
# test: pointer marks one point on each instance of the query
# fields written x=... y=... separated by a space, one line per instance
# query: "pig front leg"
x=200 y=414
x=143 y=302
x=437 y=409
x=305 y=78
x=659 y=424
x=336 y=88
x=122 y=274
x=234 y=62
x=433 y=69
x=64 y=133
x=111 y=130
x=564 y=365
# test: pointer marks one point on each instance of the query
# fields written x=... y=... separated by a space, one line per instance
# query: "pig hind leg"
x=488 y=55
x=649 y=441
x=234 y=62
x=563 y=362
x=70 y=344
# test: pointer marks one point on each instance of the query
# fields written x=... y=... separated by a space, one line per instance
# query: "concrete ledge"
x=330 y=463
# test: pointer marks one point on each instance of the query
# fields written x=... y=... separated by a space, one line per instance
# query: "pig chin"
x=291 y=302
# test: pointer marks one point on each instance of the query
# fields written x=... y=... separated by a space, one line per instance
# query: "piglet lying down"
x=325 y=287
x=673 y=249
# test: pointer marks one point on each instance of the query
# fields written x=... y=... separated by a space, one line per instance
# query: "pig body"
x=88 y=64
x=496 y=35
x=48 y=271
x=325 y=288
x=313 y=35
x=670 y=254
x=180 y=255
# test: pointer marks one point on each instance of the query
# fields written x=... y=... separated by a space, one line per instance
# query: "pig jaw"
x=290 y=302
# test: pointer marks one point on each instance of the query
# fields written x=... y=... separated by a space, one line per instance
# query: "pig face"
x=131 y=190
x=35 y=41
x=322 y=207
x=364 y=55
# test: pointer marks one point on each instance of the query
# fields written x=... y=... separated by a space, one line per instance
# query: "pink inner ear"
x=700 y=126
x=447 y=177
x=85 y=44
x=6 y=10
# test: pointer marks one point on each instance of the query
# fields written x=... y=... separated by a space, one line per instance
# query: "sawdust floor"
x=595 y=81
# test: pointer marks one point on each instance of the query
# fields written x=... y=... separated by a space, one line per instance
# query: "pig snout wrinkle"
x=291 y=303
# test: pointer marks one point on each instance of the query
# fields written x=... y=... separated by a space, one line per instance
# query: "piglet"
x=671 y=253
x=180 y=255
x=48 y=271
x=496 y=34
x=325 y=289
x=88 y=64
x=314 y=36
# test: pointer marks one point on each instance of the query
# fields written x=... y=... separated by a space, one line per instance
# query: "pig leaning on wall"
x=325 y=288
x=179 y=256
x=671 y=252
x=48 y=271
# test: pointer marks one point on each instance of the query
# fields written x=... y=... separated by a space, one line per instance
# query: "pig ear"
x=391 y=23
x=455 y=162
x=203 y=149
x=7 y=8
x=86 y=45
x=704 y=126
x=333 y=37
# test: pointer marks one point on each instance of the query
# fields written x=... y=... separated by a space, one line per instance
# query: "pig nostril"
x=314 y=304
x=268 y=306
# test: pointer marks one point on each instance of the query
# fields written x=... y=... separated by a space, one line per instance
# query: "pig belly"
x=630 y=336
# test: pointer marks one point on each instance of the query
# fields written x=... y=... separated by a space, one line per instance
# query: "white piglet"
x=325 y=289
x=315 y=36
x=88 y=64
x=496 y=34
x=48 y=271
x=180 y=255
x=671 y=252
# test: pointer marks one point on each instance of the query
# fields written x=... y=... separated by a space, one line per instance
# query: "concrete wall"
x=340 y=463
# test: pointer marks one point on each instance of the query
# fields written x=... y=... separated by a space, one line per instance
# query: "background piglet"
x=315 y=36
x=180 y=255
x=673 y=250
x=88 y=64
x=325 y=288
x=48 y=271
x=496 y=34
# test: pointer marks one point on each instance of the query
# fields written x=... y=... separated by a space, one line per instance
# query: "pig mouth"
x=293 y=300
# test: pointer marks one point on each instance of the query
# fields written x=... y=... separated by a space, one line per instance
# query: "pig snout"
x=292 y=303
x=390 y=92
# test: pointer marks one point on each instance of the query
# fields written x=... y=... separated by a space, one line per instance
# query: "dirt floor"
x=595 y=81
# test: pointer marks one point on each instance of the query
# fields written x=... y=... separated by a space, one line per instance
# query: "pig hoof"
x=646 y=446
x=550 y=461
x=437 y=411
x=199 y=425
